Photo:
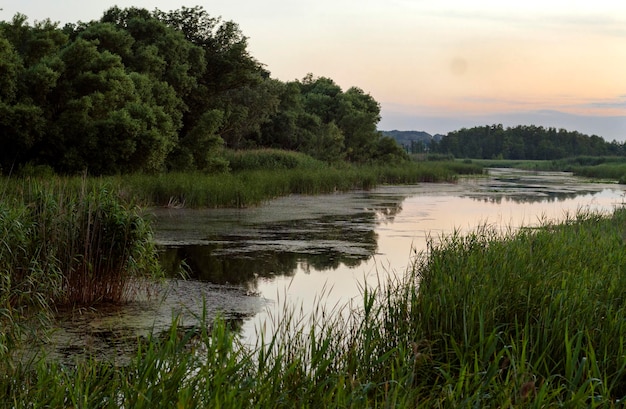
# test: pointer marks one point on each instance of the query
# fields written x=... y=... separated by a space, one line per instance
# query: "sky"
x=433 y=65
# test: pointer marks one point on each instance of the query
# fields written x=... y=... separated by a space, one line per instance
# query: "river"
x=299 y=251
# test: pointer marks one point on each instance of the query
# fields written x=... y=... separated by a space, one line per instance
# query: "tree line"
x=153 y=91
x=523 y=142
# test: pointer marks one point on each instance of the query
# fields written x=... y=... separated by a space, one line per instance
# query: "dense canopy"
x=156 y=91
x=523 y=142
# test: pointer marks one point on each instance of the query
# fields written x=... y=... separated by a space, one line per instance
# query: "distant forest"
x=153 y=91
x=520 y=142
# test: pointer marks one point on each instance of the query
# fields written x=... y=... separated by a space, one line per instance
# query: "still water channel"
x=246 y=264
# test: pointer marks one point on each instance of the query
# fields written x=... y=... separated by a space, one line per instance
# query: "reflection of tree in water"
x=387 y=212
x=268 y=250
x=530 y=197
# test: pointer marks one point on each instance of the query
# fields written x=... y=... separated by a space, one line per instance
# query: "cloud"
x=621 y=103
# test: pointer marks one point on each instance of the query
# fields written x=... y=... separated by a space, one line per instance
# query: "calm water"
x=246 y=263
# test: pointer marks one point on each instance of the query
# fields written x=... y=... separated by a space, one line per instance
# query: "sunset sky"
x=434 y=66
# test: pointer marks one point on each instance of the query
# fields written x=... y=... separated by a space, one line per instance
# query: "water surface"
x=244 y=264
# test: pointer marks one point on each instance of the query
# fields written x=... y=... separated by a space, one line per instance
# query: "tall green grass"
x=594 y=167
x=63 y=246
x=255 y=176
x=494 y=318
x=252 y=187
x=539 y=312
x=532 y=318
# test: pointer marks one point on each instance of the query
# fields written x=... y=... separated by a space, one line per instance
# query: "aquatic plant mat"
x=531 y=318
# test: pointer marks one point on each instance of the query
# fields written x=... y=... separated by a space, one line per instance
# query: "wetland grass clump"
x=532 y=319
x=71 y=246
x=61 y=246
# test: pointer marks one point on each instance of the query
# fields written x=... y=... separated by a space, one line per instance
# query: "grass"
x=255 y=176
x=531 y=318
x=251 y=187
x=64 y=246
x=593 y=167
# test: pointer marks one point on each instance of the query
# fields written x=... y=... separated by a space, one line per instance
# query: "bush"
x=269 y=159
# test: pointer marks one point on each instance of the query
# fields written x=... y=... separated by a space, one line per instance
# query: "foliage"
x=522 y=143
x=141 y=91
x=66 y=246
x=532 y=318
x=261 y=176
x=269 y=159
x=319 y=118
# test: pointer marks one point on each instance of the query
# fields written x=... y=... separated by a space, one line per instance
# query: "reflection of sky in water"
x=433 y=210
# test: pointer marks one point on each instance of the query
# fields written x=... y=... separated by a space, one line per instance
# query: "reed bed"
x=65 y=245
x=252 y=187
x=255 y=176
x=614 y=171
x=531 y=318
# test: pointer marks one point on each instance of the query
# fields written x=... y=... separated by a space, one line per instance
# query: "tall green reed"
x=61 y=245
x=549 y=298
x=252 y=187
x=97 y=244
x=530 y=318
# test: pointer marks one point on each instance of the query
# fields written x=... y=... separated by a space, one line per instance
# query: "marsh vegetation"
x=530 y=318
x=489 y=318
x=169 y=109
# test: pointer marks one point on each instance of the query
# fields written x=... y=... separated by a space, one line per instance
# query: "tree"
x=358 y=115
x=327 y=143
x=200 y=147
x=21 y=121
x=102 y=124
x=232 y=81
x=147 y=91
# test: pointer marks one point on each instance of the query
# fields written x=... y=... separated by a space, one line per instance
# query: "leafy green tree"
x=21 y=122
x=102 y=124
x=321 y=97
x=232 y=81
x=28 y=71
x=10 y=68
x=388 y=151
x=358 y=115
x=285 y=127
x=158 y=50
x=522 y=142
x=109 y=37
x=147 y=91
x=200 y=149
x=327 y=143
x=33 y=43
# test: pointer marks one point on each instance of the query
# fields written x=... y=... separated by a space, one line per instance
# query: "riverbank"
x=256 y=176
x=604 y=168
x=489 y=319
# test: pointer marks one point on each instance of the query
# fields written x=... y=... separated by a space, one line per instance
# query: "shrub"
x=269 y=159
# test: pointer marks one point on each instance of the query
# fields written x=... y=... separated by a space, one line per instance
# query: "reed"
x=540 y=308
x=251 y=187
x=62 y=245
x=494 y=318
